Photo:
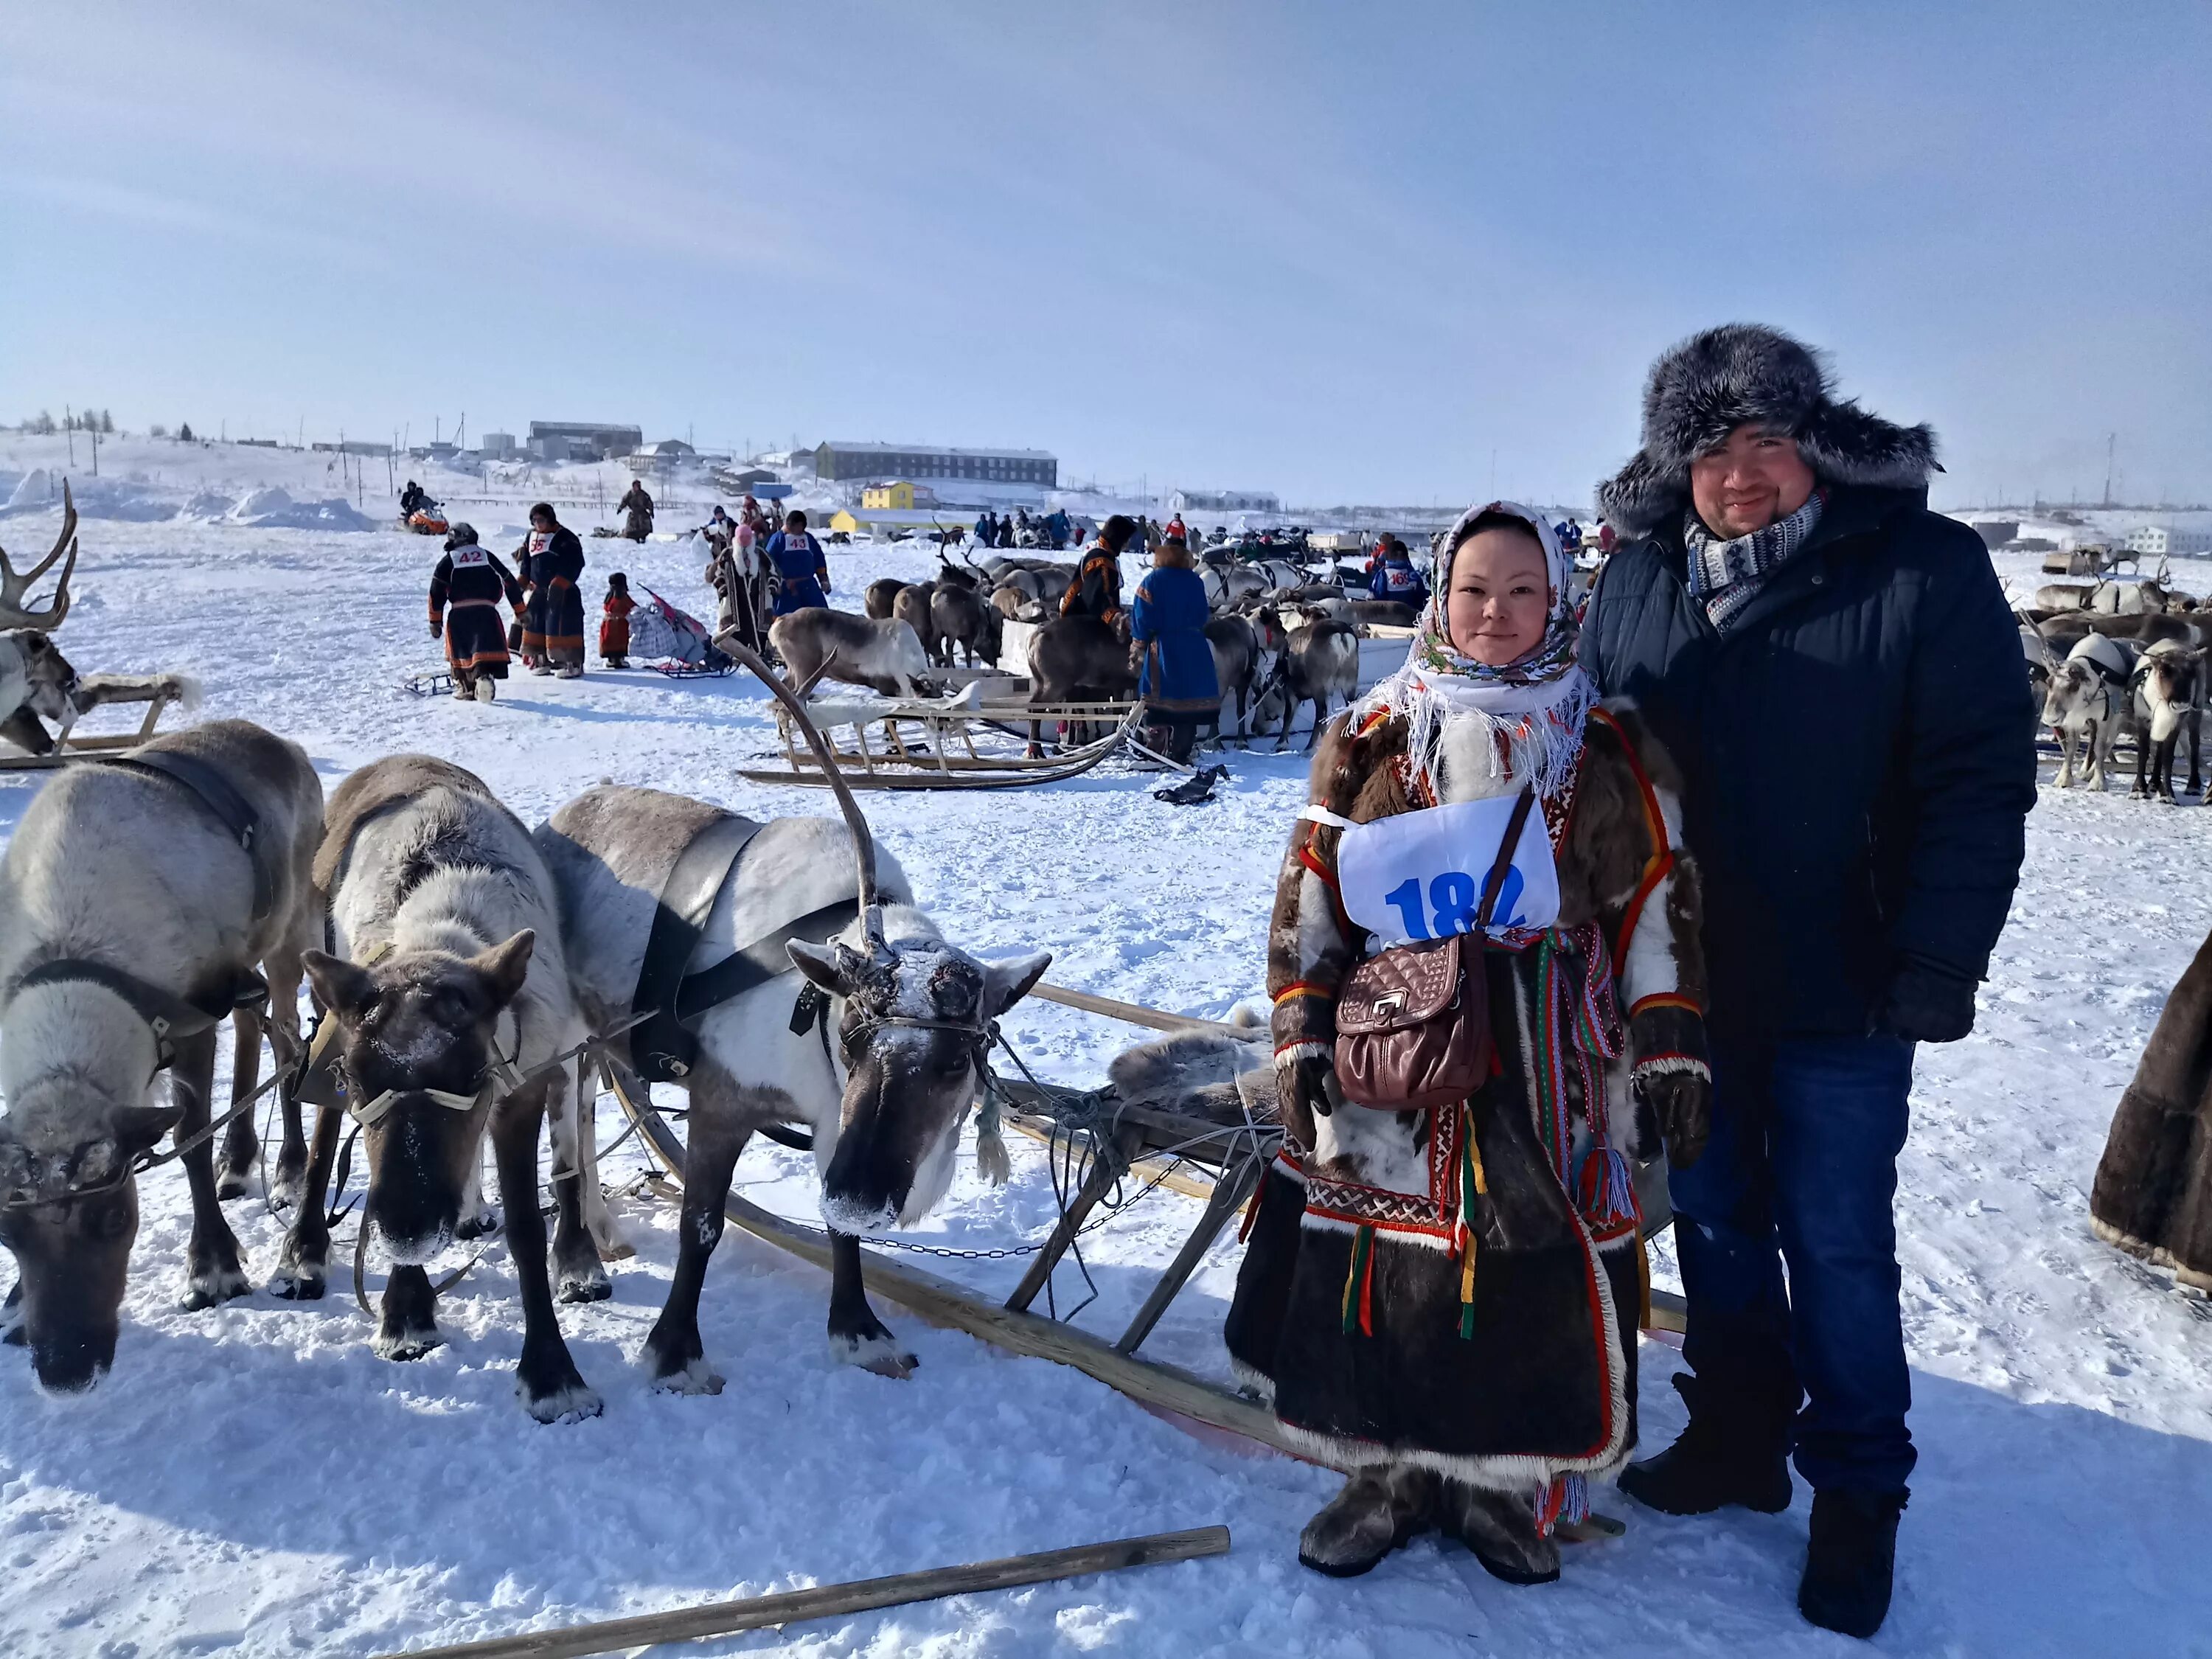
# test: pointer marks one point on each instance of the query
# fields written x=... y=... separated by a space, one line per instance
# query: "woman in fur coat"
x=552 y=563
x=1446 y=1301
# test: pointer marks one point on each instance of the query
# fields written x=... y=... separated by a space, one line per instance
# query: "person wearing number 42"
x=1488 y=999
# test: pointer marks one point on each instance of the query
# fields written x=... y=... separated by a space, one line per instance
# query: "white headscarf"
x=1535 y=709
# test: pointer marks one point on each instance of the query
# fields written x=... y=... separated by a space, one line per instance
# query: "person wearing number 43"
x=1488 y=999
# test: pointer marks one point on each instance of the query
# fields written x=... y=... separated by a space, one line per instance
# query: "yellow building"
x=888 y=498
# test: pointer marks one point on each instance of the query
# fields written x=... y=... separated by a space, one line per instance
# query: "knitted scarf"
x=1725 y=575
x=1535 y=709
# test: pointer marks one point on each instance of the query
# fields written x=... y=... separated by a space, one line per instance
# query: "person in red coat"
x=614 y=622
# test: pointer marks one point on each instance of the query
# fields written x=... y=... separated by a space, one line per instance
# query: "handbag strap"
x=1492 y=883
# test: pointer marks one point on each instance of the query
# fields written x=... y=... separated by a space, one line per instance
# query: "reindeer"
x=449 y=972
x=2085 y=704
x=36 y=683
x=1078 y=659
x=136 y=900
x=1317 y=662
x=960 y=616
x=1015 y=604
x=884 y=1087
x=882 y=595
x=912 y=607
x=886 y=655
x=2166 y=697
x=1235 y=646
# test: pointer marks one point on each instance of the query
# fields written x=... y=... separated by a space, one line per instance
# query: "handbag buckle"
x=1390 y=1002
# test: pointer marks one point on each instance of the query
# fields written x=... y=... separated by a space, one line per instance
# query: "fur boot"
x=1379 y=1508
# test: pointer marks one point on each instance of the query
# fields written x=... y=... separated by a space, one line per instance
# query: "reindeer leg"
x=301 y=1269
x=284 y=971
x=546 y=1378
x=407 y=1315
x=674 y=1354
x=857 y=1337
x=212 y=1270
x=22 y=729
x=578 y=1276
x=239 y=1143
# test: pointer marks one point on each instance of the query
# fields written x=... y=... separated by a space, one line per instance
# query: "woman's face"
x=1500 y=597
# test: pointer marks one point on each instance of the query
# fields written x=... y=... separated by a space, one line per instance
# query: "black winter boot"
x=1849 y=1562
x=1724 y=1456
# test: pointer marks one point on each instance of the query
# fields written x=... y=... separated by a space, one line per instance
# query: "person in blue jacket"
x=1175 y=676
x=802 y=573
x=1393 y=576
x=987 y=529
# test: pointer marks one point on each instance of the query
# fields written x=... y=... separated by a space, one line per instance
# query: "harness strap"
x=662 y=1050
x=1662 y=861
x=170 y=1018
x=214 y=792
x=761 y=961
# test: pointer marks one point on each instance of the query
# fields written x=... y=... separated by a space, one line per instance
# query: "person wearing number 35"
x=1488 y=999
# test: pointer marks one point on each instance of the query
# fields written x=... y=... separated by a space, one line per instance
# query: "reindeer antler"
x=864 y=844
x=13 y=587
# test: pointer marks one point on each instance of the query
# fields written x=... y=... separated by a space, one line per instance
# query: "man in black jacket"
x=1836 y=672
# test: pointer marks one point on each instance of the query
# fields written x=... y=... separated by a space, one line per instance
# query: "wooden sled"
x=931 y=742
x=1219 y=1165
x=160 y=694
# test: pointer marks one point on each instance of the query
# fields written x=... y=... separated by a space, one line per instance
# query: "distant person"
x=637 y=512
x=1097 y=589
x=1005 y=532
x=614 y=622
x=718 y=527
x=552 y=563
x=1394 y=578
x=1835 y=672
x=465 y=590
x=987 y=529
x=1176 y=531
x=412 y=499
x=802 y=569
x=1175 y=680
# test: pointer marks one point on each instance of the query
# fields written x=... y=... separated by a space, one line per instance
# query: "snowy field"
x=250 y=1480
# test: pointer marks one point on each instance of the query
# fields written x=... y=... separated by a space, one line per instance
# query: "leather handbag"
x=1412 y=1021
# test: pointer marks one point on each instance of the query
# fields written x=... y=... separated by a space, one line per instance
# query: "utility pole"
x=2111 y=439
x=69 y=426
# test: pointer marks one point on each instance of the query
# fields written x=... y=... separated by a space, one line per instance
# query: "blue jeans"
x=1802 y=1169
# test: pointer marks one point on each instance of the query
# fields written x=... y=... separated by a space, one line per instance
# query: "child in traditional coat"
x=1446 y=1300
x=614 y=622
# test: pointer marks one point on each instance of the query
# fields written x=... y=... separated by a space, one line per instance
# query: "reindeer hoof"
x=406 y=1345
x=214 y=1287
x=482 y=1223
x=297 y=1285
x=230 y=1184
x=571 y=1404
x=878 y=1351
x=697 y=1378
x=581 y=1286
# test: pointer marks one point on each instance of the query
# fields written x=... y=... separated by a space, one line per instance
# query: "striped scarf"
x=1725 y=575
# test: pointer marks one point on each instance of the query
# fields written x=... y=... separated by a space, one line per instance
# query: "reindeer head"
x=15 y=611
x=916 y=1017
x=69 y=1213
x=416 y=1035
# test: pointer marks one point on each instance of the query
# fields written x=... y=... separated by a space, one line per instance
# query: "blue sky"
x=1349 y=253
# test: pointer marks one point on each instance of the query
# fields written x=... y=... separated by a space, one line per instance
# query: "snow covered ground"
x=250 y=1480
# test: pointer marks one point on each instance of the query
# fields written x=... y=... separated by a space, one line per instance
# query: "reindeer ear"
x=504 y=967
x=821 y=964
x=345 y=988
x=1005 y=983
x=139 y=1127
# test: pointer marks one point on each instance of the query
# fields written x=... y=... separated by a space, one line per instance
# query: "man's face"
x=1750 y=481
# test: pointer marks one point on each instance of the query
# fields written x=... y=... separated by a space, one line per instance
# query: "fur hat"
x=1742 y=373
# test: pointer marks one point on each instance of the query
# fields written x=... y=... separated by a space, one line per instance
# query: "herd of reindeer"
x=469 y=976
x=2120 y=660
x=1280 y=640
x=468 y=973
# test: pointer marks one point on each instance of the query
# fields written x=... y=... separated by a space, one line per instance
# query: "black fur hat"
x=1712 y=383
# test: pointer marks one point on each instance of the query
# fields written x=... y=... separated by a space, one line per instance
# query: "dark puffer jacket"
x=1858 y=758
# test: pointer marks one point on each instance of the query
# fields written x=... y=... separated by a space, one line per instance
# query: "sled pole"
x=1134 y=1013
x=831 y=1600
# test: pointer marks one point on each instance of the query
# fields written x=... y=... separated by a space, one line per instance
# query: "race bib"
x=470 y=557
x=1420 y=875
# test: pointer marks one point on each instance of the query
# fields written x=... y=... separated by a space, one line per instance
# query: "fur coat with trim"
x=1421 y=1287
x=2153 y=1195
x=1601 y=857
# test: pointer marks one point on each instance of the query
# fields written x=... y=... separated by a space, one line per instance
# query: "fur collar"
x=1705 y=387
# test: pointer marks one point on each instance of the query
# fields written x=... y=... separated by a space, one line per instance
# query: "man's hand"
x=436 y=628
x=1928 y=1003
x=1683 y=1103
x=1304 y=1089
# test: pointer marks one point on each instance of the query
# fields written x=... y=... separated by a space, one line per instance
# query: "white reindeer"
x=2086 y=703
